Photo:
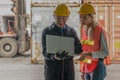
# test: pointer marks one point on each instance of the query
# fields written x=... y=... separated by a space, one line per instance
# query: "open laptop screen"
x=59 y=43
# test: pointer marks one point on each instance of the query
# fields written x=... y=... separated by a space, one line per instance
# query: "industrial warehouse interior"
x=23 y=21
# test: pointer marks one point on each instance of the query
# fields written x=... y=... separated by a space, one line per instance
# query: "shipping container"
x=42 y=16
x=102 y=1
x=107 y=14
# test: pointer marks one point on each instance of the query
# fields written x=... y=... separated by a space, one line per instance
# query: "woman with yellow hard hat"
x=59 y=65
x=94 y=45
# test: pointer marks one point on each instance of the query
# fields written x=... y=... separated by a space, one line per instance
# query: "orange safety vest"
x=89 y=67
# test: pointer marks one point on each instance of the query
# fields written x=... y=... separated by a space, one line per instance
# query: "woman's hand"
x=85 y=55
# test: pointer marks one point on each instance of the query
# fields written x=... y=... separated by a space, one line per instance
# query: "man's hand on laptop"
x=60 y=55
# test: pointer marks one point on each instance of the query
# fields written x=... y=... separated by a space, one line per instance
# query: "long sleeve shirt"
x=103 y=48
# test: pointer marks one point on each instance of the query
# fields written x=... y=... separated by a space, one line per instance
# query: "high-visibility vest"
x=88 y=47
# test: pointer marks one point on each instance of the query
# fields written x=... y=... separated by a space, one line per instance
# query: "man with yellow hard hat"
x=94 y=45
x=60 y=66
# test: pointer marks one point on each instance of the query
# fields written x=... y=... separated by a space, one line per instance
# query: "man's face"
x=61 y=20
x=85 y=19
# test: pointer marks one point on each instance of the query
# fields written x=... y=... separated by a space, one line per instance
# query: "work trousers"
x=98 y=74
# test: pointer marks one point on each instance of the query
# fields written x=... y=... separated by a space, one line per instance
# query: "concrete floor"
x=20 y=68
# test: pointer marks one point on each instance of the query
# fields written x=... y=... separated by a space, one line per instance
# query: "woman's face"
x=86 y=19
x=61 y=20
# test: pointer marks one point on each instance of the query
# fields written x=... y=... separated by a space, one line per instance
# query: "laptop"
x=55 y=44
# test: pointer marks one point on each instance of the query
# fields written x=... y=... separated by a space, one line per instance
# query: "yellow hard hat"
x=62 y=10
x=86 y=9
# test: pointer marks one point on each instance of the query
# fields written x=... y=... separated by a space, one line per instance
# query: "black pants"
x=59 y=70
